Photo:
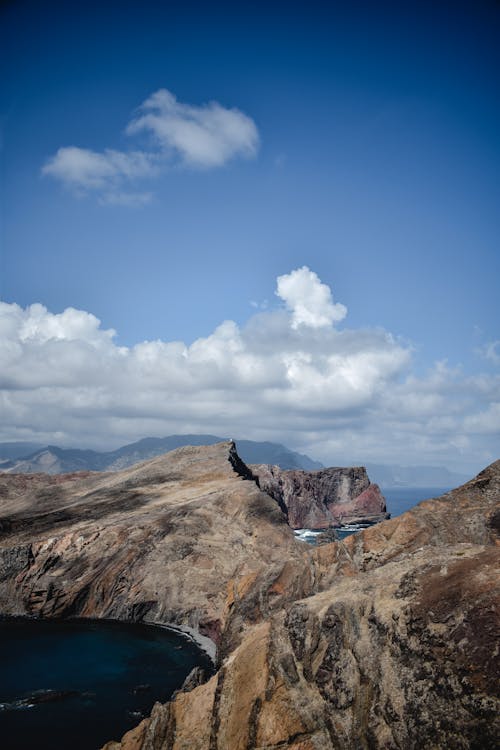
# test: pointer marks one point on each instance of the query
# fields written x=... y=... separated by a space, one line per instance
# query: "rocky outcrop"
x=324 y=498
x=396 y=646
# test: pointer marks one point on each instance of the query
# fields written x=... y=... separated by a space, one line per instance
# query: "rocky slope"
x=324 y=498
x=395 y=647
x=158 y=542
x=386 y=640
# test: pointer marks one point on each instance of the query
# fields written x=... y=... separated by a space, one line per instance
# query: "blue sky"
x=358 y=141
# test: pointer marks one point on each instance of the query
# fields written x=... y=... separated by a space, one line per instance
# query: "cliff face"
x=396 y=645
x=324 y=498
x=158 y=542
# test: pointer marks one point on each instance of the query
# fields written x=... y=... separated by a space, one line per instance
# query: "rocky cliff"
x=324 y=498
x=386 y=640
x=158 y=542
x=396 y=645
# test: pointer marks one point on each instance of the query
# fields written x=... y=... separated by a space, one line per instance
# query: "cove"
x=80 y=683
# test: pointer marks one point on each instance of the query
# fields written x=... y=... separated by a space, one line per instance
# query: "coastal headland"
x=388 y=639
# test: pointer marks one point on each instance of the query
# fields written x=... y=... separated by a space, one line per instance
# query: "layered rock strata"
x=395 y=647
x=325 y=498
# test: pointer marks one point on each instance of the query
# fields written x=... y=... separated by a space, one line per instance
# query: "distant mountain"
x=9 y=451
x=54 y=460
x=414 y=476
x=24 y=458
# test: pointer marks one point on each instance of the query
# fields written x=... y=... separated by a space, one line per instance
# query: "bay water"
x=77 y=684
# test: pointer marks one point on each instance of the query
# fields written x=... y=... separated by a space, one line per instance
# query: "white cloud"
x=206 y=136
x=343 y=396
x=83 y=169
x=309 y=300
x=487 y=421
x=36 y=324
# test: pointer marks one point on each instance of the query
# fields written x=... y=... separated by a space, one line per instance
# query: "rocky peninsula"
x=386 y=640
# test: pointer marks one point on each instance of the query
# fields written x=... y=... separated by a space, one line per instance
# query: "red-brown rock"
x=325 y=498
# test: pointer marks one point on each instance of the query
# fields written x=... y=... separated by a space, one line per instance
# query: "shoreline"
x=205 y=644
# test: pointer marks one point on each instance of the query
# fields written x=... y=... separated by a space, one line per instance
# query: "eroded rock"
x=395 y=647
x=324 y=498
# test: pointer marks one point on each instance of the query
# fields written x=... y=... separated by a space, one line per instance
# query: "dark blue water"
x=104 y=676
x=398 y=501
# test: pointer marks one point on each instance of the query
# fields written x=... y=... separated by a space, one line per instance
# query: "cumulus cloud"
x=309 y=300
x=341 y=395
x=205 y=136
x=36 y=324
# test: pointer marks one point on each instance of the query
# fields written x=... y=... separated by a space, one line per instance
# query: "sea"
x=398 y=501
x=79 y=683
x=401 y=499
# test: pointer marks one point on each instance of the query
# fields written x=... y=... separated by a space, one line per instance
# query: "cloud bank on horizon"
x=289 y=374
x=201 y=137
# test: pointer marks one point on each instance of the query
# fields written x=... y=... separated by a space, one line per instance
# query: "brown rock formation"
x=156 y=542
x=396 y=647
x=386 y=640
x=324 y=498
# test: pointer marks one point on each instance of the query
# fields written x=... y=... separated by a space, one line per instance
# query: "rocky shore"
x=386 y=640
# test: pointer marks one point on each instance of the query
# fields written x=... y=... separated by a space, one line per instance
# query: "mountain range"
x=19 y=457
x=54 y=460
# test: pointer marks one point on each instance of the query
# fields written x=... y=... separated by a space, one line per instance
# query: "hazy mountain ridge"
x=18 y=457
x=388 y=475
x=55 y=460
